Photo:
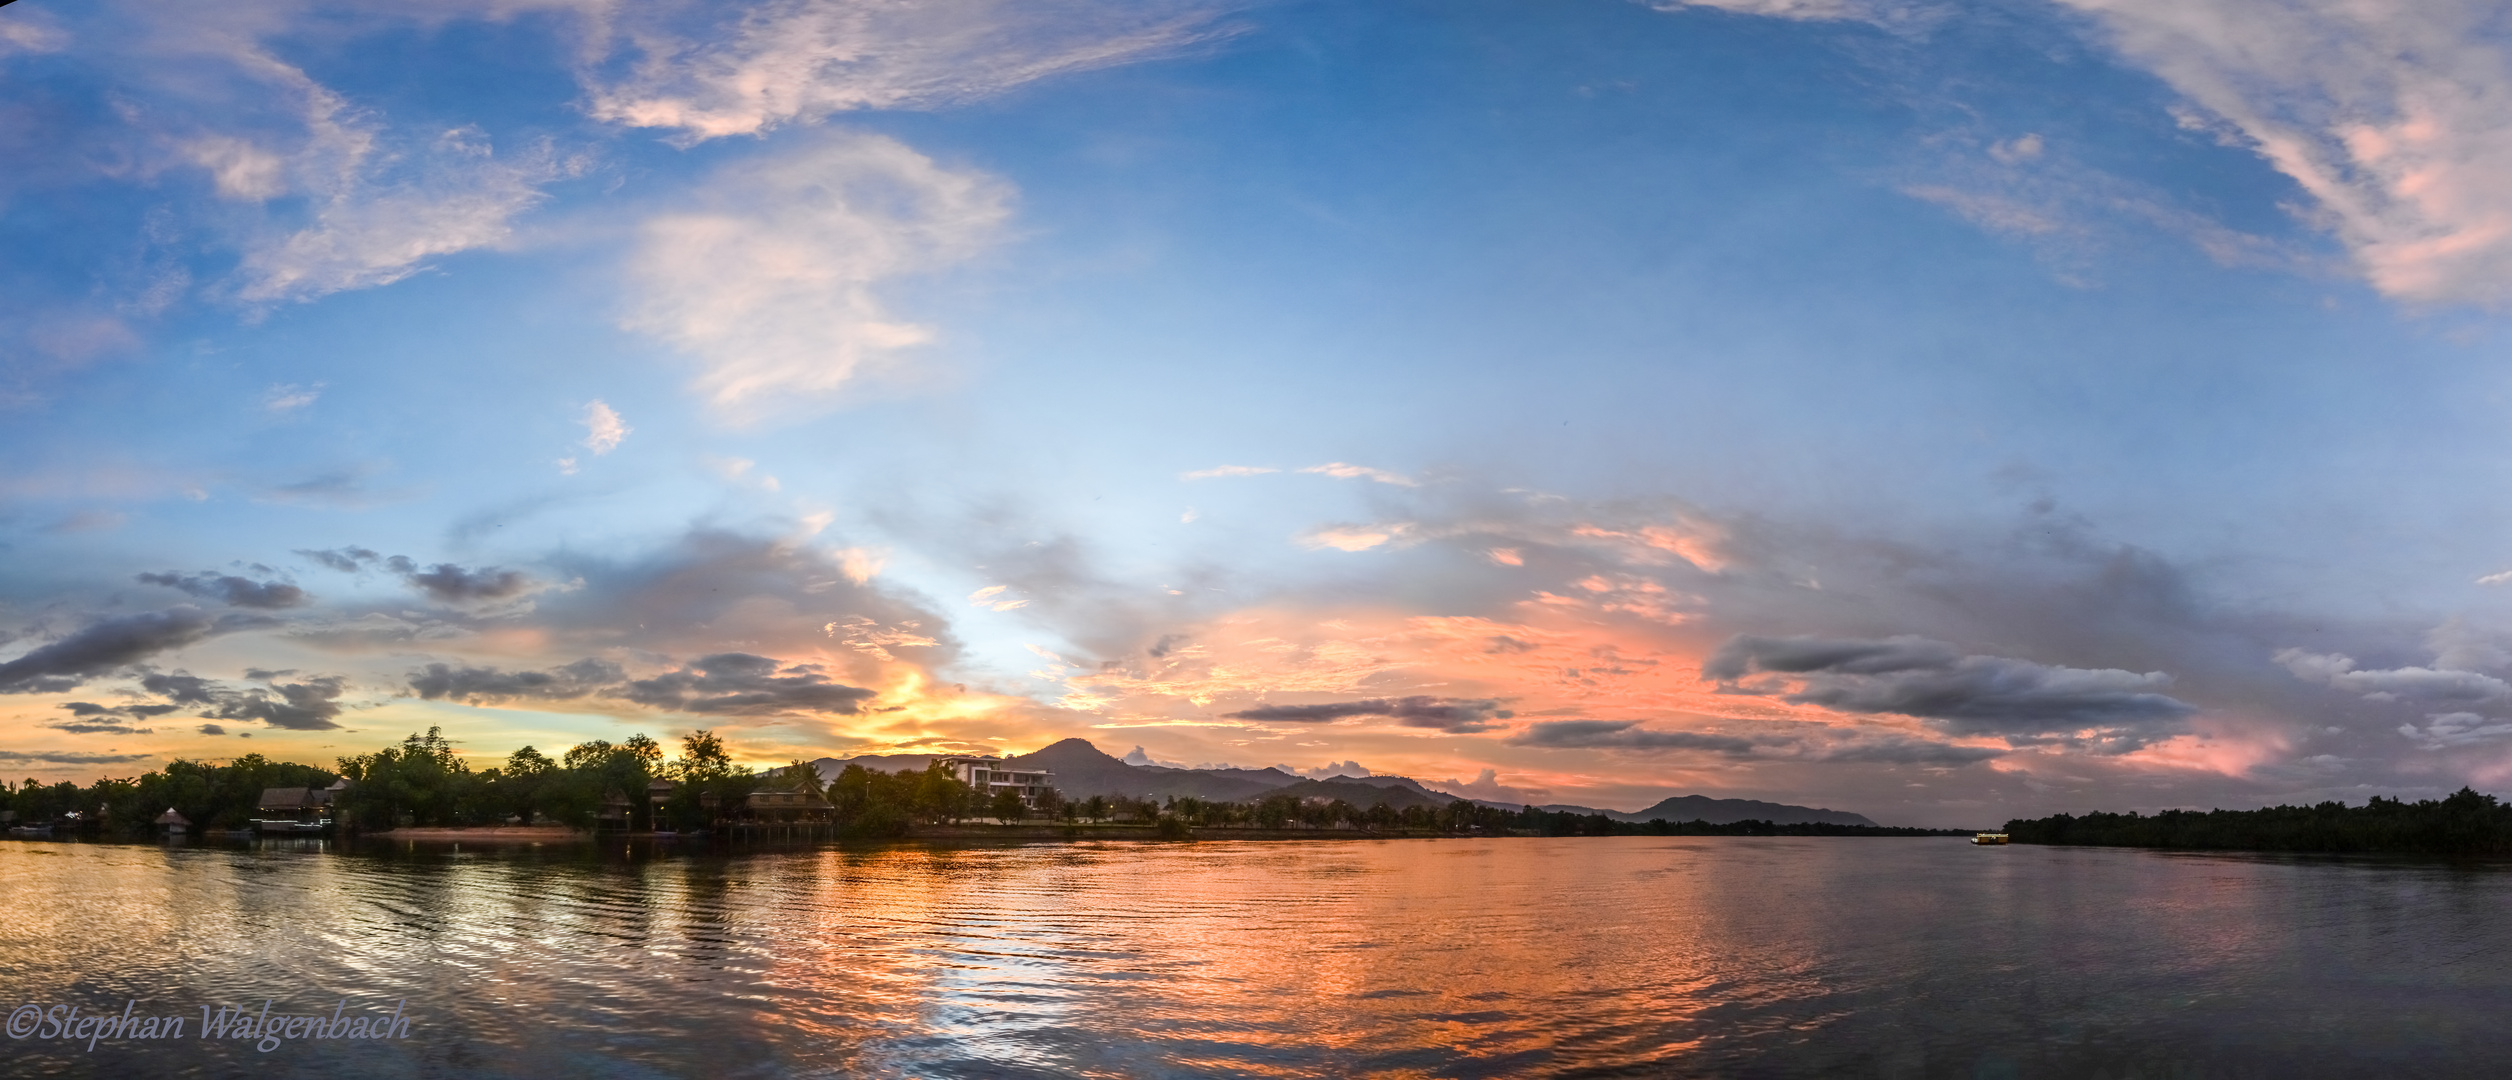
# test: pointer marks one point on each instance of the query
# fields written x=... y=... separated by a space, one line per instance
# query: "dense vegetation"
x=422 y=781
x=2465 y=823
x=211 y=796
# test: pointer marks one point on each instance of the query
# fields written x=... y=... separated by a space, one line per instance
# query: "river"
x=1620 y=956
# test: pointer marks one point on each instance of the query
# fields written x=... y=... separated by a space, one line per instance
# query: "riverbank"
x=2466 y=823
x=535 y=834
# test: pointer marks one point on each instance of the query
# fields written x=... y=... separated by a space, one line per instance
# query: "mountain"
x=1083 y=770
x=1723 y=811
x=1362 y=791
x=831 y=766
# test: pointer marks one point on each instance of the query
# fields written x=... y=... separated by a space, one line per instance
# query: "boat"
x=1988 y=838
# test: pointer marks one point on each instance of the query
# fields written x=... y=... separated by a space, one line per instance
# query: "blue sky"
x=1936 y=410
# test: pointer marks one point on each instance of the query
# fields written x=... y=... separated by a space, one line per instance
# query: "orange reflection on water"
x=1405 y=958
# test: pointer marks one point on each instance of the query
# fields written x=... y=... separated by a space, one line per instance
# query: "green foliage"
x=210 y=795
x=1007 y=806
x=2464 y=823
x=707 y=786
x=420 y=782
x=872 y=804
x=423 y=781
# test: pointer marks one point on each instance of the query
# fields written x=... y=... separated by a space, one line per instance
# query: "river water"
x=1623 y=956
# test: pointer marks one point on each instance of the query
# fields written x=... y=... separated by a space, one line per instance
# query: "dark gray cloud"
x=575 y=680
x=90 y=718
x=347 y=560
x=310 y=705
x=448 y=583
x=89 y=709
x=1905 y=752
x=451 y=584
x=212 y=729
x=306 y=706
x=69 y=758
x=2023 y=702
x=715 y=587
x=112 y=643
x=1461 y=715
x=182 y=689
x=82 y=727
x=1625 y=735
x=1629 y=735
x=741 y=684
x=345 y=489
x=232 y=590
x=1745 y=654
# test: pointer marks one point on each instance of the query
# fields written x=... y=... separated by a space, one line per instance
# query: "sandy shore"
x=507 y=833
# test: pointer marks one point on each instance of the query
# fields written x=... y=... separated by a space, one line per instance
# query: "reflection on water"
x=1637 y=956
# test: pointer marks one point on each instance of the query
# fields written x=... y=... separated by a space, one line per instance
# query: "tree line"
x=207 y=794
x=2463 y=823
x=422 y=781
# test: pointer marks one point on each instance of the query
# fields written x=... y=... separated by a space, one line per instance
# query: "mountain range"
x=1083 y=770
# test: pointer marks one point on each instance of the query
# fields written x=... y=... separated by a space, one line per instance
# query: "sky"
x=1943 y=411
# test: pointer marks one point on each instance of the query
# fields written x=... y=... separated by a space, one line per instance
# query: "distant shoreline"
x=2466 y=823
x=1042 y=831
x=507 y=833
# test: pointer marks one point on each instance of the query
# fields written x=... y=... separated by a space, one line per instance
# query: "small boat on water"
x=1988 y=838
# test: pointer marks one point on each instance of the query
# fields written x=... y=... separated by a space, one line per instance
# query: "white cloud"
x=1355 y=537
x=2017 y=150
x=1327 y=771
x=603 y=429
x=860 y=564
x=2443 y=731
x=2392 y=684
x=770 y=286
x=1341 y=471
x=31 y=33
x=239 y=169
x=1137 y=756
x=2069 y=212
x=737 y=471
x=2396 y=118
x=1807 y=10
x=2502 y=578
x=1221 y=471
x=992 y=597
x=760 y=66
x=289 y=397
x=1486 y=785
x=377 y=219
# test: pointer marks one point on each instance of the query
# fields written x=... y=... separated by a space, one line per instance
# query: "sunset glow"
x=1853 y=403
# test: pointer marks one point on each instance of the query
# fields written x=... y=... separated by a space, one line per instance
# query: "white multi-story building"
x=989 y=775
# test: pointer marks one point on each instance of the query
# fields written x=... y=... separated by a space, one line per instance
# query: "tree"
x=1007 y=806
x=599 y=772
x=420 y=782
x=527 y=773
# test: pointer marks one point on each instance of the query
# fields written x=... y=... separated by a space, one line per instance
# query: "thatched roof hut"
x=172 y=818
